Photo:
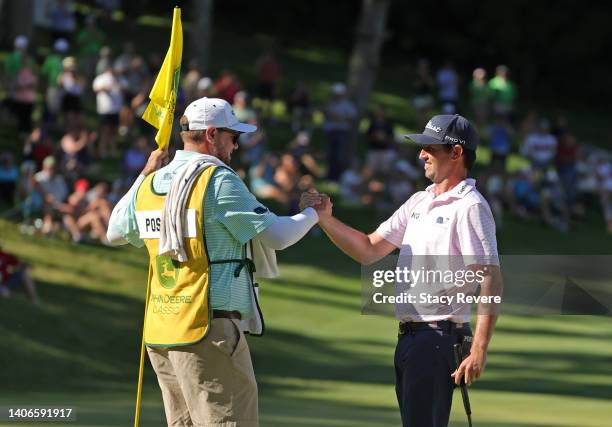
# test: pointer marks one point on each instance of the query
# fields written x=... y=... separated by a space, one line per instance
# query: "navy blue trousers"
x=424 y=362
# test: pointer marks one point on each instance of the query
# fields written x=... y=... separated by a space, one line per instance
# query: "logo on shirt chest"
x=415 y=215
x=442 y=220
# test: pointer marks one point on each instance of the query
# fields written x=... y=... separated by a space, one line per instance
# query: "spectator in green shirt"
x=51 y=70
x=12 y=63
x=503 y=92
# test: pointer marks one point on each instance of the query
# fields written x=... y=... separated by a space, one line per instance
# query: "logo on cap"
x=436 y=129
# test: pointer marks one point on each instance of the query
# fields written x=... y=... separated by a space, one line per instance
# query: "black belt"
x=224 y=314
x=413 y=327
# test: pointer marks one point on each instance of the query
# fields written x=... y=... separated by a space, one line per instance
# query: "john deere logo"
x=167 y=271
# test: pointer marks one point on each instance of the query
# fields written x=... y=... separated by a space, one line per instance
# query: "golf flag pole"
x=142 y=353
x=160 y=111
x=160 y=114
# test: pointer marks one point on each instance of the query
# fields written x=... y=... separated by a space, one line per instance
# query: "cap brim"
x=421 y=139
x=243 y=127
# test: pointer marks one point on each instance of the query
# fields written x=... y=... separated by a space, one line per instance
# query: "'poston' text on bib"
x=149 y=224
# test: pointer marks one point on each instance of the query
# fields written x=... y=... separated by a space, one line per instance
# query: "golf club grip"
x=464 y=392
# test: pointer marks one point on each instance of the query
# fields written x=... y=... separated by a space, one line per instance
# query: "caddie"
x=205 y=234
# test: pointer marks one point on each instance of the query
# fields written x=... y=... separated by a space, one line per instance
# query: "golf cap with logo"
x=214 y=112
x=447 y=129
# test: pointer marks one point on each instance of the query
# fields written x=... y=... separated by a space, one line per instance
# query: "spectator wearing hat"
x=109 y=101
x=12 y=63
x=51 y=69
x=24 y=94
x=105 y=60
x=54 y=192
x=72 y=85
x=241 y=107
x=340 y=115
x=448 y=85
x=204 y=89
x=74 y=207
x=28 y=192
x=480 y=96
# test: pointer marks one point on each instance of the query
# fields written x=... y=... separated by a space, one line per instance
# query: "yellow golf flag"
x=160 y=111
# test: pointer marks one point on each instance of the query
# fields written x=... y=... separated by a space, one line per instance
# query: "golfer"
x=450 y=220
x=202 y=227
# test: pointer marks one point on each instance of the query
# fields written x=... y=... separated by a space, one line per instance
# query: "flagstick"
x=142 y=355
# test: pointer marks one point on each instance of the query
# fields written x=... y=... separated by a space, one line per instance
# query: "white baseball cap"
x=61 y=45
x=338 y=88
x=205 y=112
x=21 y=42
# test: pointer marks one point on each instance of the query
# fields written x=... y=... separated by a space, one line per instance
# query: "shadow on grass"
x=543 y=372
x=77 y=337
x=289 y=355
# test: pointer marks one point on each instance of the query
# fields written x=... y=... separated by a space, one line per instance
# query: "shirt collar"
x=457 y=192
x=184 y=154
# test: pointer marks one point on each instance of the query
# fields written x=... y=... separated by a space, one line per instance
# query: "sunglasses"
x=235 y=135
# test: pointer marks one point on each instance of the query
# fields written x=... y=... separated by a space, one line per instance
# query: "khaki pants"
x=211 y=383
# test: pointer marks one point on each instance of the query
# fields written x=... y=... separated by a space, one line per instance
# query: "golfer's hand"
x=310 y=199
x=324 y=209
x=157 y=159
x=472 y=367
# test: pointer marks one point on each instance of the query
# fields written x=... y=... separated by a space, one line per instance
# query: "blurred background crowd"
x=75 y=105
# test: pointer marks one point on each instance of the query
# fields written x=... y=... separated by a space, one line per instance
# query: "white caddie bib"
x=149 y=223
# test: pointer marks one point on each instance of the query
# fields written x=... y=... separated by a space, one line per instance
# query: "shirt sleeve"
x=393 y=229
x=237 y=208
x=476 y=230
x=122 y=226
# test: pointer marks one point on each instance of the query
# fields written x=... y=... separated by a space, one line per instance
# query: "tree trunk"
x=201 y=33
x=16 y=19
x=366 y=51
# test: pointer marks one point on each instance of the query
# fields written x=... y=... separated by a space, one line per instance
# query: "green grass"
x=321 y=363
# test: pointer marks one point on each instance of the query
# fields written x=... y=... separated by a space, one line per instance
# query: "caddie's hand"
x=157 y=159
x=472 y=367
x=310 y=199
